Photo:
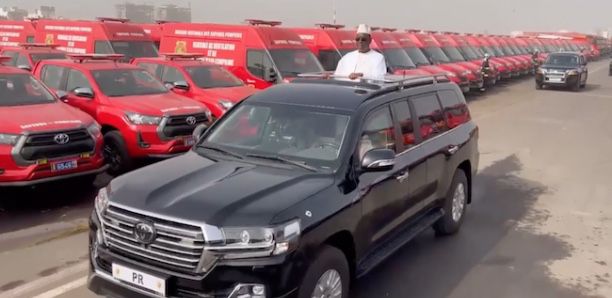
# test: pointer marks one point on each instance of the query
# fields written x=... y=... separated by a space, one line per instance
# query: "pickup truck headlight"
x=139 y=119
x=101 y=202
x=94 y=129
x=225 y=104
x=256 y=242
x=9 y=139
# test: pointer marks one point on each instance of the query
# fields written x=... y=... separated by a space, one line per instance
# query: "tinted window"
x=258 y=63
x=378 y=132
x=135 y=49
x=22 y=89
x=23 y=60
x=562 y=60
x=152 y=68
x=47 y=56
x=329 y=59
x=127 y=82
x=52 y=76
x=455 y=109
x=172 y=74
x=398 y=59
x=417 y=56
x=212 y=77
x=76 y=79
x=13 y=55
x=429 y=113
x=453 y=54
x=436 y=55
x=103 y=47
x=404 y=119
x=291 y=63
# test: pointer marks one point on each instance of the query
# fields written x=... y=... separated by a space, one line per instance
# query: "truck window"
x=13 y=55
x=258 y=62
x=455 y=109
x=76 y=79
x=378 y=132
x=152 y=68
x=52 y=76
x=329 y=59
x=23 y=60
x=429 y=113
x=135 y=49
x=172 y=74
x=404 y=119
x=103 y=47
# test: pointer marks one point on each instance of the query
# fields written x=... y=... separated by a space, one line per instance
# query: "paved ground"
x=540 y=224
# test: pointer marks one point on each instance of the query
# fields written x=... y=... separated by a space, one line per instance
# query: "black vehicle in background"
x=563 y=69
x=294 y=192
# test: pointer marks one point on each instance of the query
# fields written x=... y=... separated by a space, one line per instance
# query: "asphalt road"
x=540 y=224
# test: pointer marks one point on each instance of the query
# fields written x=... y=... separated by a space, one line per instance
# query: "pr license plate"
x=140 y=279
x=64 y=165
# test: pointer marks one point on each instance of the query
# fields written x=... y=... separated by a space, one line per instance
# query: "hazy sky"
x=495 y=16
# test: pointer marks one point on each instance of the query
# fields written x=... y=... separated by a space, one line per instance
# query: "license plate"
x=555 y=80
x=189 y=141
x=140 y=279
x=64 y=165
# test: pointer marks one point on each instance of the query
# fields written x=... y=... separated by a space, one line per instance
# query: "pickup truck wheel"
x=115 y=154
x=328 y=276
x=455 y=206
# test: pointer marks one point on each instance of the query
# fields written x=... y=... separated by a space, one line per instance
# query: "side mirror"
x=62 y=95
x=199 y=131
x=181 y=85
x=25 y=67
x=378 y=160
x=84 y=92
x=270 y=75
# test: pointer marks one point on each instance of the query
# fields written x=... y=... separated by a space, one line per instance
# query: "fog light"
x=259 y=290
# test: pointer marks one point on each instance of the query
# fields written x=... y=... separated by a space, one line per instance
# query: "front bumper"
x=144 y=142
x=564 y=81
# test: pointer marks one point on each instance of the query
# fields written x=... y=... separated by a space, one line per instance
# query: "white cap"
x=363 y=29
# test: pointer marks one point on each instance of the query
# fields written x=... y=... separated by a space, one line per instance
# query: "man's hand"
x=355 y=75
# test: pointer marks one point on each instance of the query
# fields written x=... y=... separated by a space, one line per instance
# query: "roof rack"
x=256 y=22
x=106 y=19
x=80 y=58
x=387 y=29
x=183 y=56
x=329 y=26
x=38 y=46
x=390 y=83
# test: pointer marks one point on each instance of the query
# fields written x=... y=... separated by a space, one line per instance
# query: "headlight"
x=541 y=70
x=253 y=242
x=101 y=202
x=572 y=73
x=225 y=104
x=94 y=129
x=8 y=139
x=139 y=119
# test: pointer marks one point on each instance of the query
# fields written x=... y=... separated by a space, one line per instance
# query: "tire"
x=449 y=224
x=329 y=259
x=576 y=87
x=116 y=154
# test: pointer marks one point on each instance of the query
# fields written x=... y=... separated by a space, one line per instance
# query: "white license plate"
x=63 y=165
x=140 y=279
x=555 y=80
x=189 y=141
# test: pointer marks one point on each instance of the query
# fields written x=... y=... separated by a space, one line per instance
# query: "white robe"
x=371 y=64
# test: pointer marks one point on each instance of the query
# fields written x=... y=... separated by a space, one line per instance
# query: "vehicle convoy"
x=451 y=48
x=523 y=66
x=140 y=117
x=103 y=36
x=490 y=69
x=14 y=33
x=294 y=192
x=41 y=138
x=27 y=55
x=397 y=60
x=563 y=69
x=259 y=53
x=328 y=42
x=208 y=83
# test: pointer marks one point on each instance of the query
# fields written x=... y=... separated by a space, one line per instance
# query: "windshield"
x=417 y=56
x=550 y=48
x=562 y=60
x=127 y=82
x=507 y=51
x=212 y=76
x=436 y=54
x=488 y=50
x=22 y=89
x=135 y=49
x=398 y=59
x=498 y=51
x=291 y=62
x=313 y=136
x=453 y=54
x=47 y=56
x=470 y=53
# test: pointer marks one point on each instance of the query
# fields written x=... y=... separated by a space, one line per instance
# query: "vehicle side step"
x=402 y=237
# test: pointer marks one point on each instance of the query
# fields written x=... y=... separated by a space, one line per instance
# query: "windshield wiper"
x=236 y=155
x=283 y=160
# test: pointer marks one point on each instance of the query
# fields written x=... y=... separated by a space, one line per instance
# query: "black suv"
x=294 y=192
x=564 y=69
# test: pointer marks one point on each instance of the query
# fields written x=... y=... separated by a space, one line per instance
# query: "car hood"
x=158 y=104
x=223 y=193
x=233 y=94
x=42 y=117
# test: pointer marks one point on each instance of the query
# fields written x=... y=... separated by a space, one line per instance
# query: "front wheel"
x=455 y=205
x=116 y=154
x=327 y=276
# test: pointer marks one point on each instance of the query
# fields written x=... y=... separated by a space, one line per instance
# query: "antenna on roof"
x=256 y=22
x=118 y=20
x=330 y=26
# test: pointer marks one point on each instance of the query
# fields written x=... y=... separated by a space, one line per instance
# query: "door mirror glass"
x=378 y=160
x=199 y=131
x=84 y=92
x=181 y=85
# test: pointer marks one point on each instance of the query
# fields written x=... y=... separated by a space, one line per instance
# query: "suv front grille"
x=177 y=246
x=179 y=126
x=44 y=145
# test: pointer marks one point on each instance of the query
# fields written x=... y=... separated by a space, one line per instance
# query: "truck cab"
x=260 y=53
x=206 y=82
x=328 y=42
x=27 y=55
x=140 y=117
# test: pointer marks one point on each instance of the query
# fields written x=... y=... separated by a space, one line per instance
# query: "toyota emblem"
x=61 y=138
x=191 y=120
x=145 y=232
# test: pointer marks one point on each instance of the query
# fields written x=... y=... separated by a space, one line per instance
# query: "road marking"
x=64 y=288
x=45 y=281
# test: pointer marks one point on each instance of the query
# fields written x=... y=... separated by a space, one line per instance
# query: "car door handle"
x=452 y=149
x=402 y=176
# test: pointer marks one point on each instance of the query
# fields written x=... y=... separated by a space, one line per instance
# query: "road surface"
x=540 y=224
